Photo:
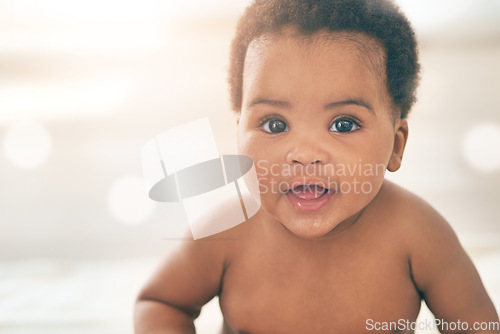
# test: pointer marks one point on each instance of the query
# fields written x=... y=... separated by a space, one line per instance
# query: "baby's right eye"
x=275 y=126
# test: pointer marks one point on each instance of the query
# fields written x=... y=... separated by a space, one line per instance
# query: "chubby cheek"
x=250 y=146
x=355 y=192
x=245 y=138
x=361 y=172
x=269 y=174
x=356 y=189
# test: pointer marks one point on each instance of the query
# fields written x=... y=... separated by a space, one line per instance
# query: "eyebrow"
x=274 y=103
x=355 y=101
x=286 y=105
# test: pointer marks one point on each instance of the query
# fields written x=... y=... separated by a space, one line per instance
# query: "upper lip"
x=307 y=181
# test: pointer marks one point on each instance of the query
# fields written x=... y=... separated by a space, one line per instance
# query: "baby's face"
x=317 y=121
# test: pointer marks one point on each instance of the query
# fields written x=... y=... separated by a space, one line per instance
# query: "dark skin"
x=365 y=256
x=296 y=285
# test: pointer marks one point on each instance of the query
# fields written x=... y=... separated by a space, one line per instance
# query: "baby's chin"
x=311 y=227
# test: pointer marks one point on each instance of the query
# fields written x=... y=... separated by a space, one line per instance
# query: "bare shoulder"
x=426 y=237
x=410 y=215
x=440 y=268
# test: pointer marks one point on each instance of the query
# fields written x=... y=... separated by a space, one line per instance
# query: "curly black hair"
x=379 y=19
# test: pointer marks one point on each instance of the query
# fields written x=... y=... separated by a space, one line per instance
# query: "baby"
x=323 y=89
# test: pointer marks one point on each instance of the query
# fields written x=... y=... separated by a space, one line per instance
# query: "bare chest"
x=340 y=290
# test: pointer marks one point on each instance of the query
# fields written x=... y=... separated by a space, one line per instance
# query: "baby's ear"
x=400 y=138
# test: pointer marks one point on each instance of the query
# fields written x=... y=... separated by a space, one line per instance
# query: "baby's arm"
x=446 y=277
x=187 y=280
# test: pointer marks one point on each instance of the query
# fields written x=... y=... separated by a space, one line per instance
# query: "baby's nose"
x=307 y=152
x=304 y=159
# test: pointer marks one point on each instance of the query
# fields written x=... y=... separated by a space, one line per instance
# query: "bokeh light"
x=482 y=147
x=128 y=201
x=27 y=144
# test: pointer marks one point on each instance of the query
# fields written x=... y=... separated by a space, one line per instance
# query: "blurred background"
x=85 y=84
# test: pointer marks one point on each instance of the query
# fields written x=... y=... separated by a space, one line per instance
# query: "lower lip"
x=310 y=204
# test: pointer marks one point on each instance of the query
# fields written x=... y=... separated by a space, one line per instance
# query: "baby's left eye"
x=344 y=125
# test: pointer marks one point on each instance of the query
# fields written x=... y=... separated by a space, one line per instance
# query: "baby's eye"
x=344 y=125
x=275 y=126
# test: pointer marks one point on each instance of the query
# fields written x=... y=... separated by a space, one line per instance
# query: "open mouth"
x=309 y=197
x=309 y=192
